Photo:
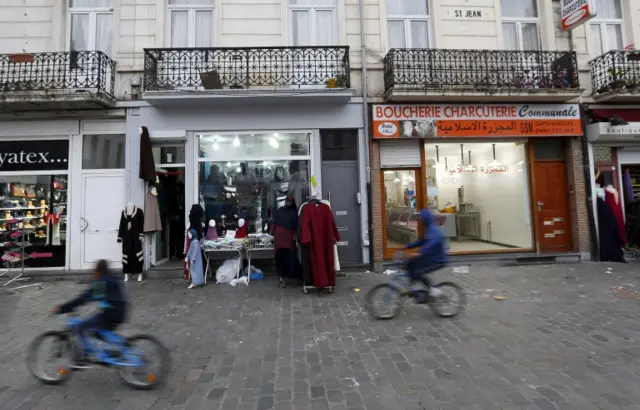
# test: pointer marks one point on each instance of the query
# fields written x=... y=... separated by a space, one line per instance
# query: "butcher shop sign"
x=576 y=12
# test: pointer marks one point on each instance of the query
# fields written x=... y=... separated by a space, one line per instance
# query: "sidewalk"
x=565 y=337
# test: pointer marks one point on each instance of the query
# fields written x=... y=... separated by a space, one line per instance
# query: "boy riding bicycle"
x=432 y=254
x=106 y=290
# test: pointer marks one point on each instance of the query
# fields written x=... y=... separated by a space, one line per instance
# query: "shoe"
x=27 y=225
x=7 y=215
x=28 y=215
x=435 y=292
x=43 y=203
x=3 y=227
x=30 y=204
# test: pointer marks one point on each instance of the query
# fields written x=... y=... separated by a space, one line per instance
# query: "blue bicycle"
x=393 y=293
x=106 y=349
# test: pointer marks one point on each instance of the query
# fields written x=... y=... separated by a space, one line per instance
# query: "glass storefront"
x=400 y=202
x=249 y=175
x=33 y=203
x=481 y=193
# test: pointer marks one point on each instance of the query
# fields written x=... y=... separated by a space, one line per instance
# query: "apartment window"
x=313 y=22
x=191 y=23
x=520 y=20
x=606 y=27
x=408 y=23
x=90 y=25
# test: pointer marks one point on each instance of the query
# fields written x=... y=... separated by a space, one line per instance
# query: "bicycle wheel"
x=62 y=348
x=452 y=295
x=136 y=368
x=391 y=299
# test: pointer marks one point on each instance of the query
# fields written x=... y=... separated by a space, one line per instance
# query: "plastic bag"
x=228 y=270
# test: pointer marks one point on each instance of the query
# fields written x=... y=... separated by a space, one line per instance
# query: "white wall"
x=41 y=25
x=501 y=198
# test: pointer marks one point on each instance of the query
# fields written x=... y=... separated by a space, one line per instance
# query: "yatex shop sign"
x=34 y=155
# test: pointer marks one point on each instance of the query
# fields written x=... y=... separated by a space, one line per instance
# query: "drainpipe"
x=365 y=118
x=593 y=232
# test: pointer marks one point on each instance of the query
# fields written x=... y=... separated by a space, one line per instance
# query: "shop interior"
x=480 y=192
x=240 y=188
x=169 y=243
x=37 y=206
x=631 y=198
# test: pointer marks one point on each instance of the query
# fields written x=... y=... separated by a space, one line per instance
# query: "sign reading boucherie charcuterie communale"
x=574 y=13
x=475 y=120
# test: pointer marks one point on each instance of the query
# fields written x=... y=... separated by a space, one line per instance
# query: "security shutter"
x=400 y=153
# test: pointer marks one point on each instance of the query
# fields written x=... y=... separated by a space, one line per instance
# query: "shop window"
x=241 y=146
x=480 y=195
x=250 y=175
x=401 y=208
x=168 y=154
x=549 y=149
x=103 y=151
x=339 y=145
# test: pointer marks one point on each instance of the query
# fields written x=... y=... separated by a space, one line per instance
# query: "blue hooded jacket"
x=433 y=244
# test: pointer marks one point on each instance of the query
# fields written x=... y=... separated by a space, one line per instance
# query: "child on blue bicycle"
x=106 y=290
x=432 y=255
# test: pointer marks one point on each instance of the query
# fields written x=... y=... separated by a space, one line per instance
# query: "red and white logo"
x=576 y=12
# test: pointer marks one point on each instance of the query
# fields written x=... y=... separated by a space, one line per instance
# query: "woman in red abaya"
x=319 y=232
x=613 y=200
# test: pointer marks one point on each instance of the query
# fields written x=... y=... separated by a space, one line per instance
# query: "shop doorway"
x=100 y=218
x=401 y=202
x=550 y=196
x=340 y=185
x=168 y=245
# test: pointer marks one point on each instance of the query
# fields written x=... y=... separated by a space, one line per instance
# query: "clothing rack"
x=13 y=259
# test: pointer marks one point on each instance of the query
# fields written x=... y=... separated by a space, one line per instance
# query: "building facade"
x=278 y=92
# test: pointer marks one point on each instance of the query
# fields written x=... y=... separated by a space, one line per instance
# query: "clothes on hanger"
x=610 y=244
x=130 y=234
x=319 y=233
x=613 y=200
x=152 y=221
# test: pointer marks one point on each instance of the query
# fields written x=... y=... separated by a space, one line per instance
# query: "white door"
x=103 y=199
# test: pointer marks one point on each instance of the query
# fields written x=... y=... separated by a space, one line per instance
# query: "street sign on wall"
x=576 y=12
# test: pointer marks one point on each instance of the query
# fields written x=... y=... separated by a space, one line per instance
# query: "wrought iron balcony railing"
x=181 y=69
x=68 y=70
x=616 y=70
x=426 y=69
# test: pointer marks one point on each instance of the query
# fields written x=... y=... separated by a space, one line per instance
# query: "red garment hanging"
x=319 y=233
x=612 y=200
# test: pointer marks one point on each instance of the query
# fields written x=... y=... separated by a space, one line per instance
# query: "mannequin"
x=130 y=235
x=242 y=231
x=212 y=233
x=147 y=171
x=194 y=260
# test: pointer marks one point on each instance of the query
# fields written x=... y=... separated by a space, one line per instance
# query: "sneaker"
x=435 y=292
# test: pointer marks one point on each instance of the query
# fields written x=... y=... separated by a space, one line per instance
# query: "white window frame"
x=604 y=36
x=406 y=20
x=313 y=29
x=518 y=21
x=191 y=10
x=93 y=13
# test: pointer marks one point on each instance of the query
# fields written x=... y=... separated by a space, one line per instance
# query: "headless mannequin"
x=129 y=211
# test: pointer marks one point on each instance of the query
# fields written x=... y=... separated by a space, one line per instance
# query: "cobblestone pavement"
x=566 y=337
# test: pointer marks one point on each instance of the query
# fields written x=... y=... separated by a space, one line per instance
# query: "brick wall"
x=577 y=197
x=376 y=201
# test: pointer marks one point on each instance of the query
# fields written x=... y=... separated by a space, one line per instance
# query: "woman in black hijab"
x=283 y=229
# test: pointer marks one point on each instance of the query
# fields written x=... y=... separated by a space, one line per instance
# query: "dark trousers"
x=105 y=320
x=287 y=264
x=420 y=267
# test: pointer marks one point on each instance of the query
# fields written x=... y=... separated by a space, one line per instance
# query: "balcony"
x=58 y=81
x=228 y=75
x=615 y=77
x=480 y=75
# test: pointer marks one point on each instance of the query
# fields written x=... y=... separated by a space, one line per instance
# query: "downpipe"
x=593 y=232
x=365 y=118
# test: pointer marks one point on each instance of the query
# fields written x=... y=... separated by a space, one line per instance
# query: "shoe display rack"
x=13 y=259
